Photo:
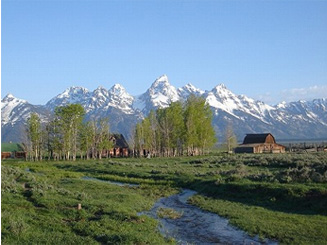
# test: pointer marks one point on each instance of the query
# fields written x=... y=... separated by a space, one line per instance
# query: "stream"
x=194 y=226
x=111 y=182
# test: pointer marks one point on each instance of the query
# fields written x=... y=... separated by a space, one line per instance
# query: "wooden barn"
x=260 y=143
x=12 y=150
x=120 y=146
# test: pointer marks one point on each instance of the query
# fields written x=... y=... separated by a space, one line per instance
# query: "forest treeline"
x=181 y=128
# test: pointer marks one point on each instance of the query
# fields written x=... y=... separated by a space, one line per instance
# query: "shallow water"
x=111 y=182
x=196 y=226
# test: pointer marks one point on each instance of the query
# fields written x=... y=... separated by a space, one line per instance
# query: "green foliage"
x=70 y=119
x=66 y=136
x=102 y=136
x=248 y=189
x=87 y=136
x=35 y=135
x=171 y=131
x=199 y=131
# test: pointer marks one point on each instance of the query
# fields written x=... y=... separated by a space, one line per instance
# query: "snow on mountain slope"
x=285 y=120
x=14 y=115
x=237 y=106
x=8 y=106
x=312 y=111
x=97 y=99
x=189 y=89
x=69 y=96
x=159 y=95
x=162 y=93
x=120 y=99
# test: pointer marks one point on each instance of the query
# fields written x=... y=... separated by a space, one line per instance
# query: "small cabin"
x=260 y=143
x=120 y=148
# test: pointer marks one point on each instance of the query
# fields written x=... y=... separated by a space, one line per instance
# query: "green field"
x=281 y=197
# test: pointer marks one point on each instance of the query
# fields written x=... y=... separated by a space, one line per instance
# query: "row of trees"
x=176 y=130
x=67 y=136
x=182 y=128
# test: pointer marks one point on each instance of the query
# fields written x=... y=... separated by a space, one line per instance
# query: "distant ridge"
x=295 y=120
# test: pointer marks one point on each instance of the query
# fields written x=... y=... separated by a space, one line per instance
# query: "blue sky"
x=268 y=50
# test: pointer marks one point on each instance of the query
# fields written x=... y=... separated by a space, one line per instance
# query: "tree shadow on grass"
x=282 y=198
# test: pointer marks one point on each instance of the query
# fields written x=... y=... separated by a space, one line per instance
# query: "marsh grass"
x=169 y=213
x=282 y=197
x=284 y=227
x=46 y=212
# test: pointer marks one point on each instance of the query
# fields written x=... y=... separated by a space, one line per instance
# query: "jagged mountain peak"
x=281 y=105
x=74 y=90
x=100 y=92
x=220 y=86
x=222 y=93
x=189 y=89
x=118 y=98
x=161 y=93
x=293 y=119
x=117 y=89
x=189 y=85
x=161 y=84
x=10 y=98
x=71 y=95
x=162 y=79
x=100 y=88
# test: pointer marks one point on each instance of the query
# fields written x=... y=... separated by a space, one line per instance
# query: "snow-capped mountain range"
x=295 y=120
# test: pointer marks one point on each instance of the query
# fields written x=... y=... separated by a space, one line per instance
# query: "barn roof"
x=120 y=141
x=256 y=138
x=11 y=147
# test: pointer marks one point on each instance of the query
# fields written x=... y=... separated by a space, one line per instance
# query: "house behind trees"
x=120 y=146
x=260 y=143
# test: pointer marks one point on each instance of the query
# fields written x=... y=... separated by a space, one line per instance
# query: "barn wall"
x=270 y=139
x=5 y=155
x=244 y=150
x=262 y=148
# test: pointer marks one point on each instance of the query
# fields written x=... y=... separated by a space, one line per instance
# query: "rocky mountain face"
x=295 y=120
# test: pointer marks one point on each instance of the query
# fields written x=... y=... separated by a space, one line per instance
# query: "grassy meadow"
x=281 y=197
